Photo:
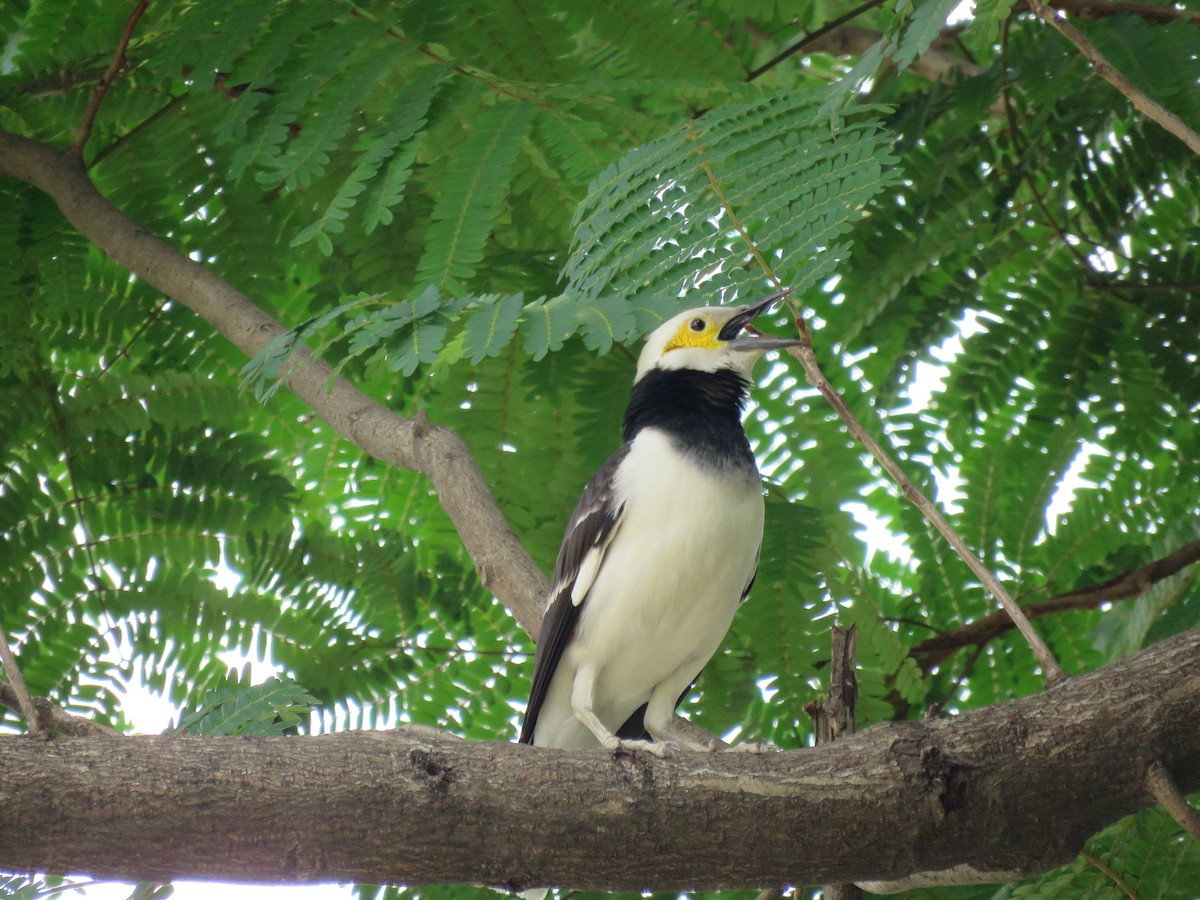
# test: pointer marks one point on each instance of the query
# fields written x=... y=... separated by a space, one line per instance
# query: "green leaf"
x=490 y=328
x=467 y=210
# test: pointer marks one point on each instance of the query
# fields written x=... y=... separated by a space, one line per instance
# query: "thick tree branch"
x=994 y=793
x=1102 y=67
x=1132 y=583
x=503 y=565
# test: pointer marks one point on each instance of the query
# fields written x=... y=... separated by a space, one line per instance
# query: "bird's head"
x=709 y=339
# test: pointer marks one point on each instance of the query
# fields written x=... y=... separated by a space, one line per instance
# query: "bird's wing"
x=589 y=532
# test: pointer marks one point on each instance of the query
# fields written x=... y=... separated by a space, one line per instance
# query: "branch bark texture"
x=1008 y=790
x=416 y=444
x=1132 y=583
x=1142 y=102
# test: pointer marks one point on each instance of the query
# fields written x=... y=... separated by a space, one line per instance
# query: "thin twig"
x=84 y=131
x=809 y=39
x=1123 y=586
x=56 y=719
x=1162 y=787
x=1108 y=870
x=1131 y=287
x=1156 y=12
x=1113 y=76
x=16 y=683
x=834 y=718
x=808 y=360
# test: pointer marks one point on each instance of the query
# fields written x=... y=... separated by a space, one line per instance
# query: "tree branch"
x=84 y=131
x=503 y=565
x=420 y=807
x=935 y=64
x=1155 y=12
x=16 y=687
x=1102 y=67
x=807 y=358
x=807 y=42
x=54 y=718
x=1162 y=787
x=937 y=649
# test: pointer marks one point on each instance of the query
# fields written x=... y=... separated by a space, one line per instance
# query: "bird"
x=662 y=547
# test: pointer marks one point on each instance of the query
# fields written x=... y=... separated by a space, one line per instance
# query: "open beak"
x=731 y=333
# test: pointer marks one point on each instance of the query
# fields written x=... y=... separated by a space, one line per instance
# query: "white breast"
x=667 y=589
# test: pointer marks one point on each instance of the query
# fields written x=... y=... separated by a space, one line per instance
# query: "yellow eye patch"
x=696 y=332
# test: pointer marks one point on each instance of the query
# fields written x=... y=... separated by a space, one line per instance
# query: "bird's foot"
x=661 y=749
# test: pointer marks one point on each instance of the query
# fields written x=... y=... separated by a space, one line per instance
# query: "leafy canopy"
x=476 y=211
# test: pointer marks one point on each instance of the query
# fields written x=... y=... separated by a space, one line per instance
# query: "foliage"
x=476 y=211
x=237 y=706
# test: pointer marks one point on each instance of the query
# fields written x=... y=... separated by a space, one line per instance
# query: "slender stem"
x=812 y=37
x=808 y=360
x=17 y=682
x=1124 y=586
x=54 y=719
x=1162 y=786
x=1117 y=79
x=1108 y=870
x=84 y=131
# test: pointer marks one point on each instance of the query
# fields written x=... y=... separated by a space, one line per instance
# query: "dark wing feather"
x=590 y=527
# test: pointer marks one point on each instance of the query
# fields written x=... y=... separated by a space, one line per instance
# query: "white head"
x=709 y=339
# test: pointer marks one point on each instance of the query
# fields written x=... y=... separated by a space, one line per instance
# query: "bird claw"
x=660 y=749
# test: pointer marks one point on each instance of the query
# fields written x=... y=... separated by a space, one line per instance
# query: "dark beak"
x=733 y=328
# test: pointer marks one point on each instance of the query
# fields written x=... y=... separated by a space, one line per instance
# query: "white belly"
x=670 y=583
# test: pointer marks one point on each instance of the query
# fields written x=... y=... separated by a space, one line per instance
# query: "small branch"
x=1133 y=287
x=935 y=64
x=808 y=360
x=54 y=718
x=16 y=684
x=84 y=131
x=1098 y=863
x=834 y=719
x=811 y=38
x=1102 y=67
x=1162 y=787
x=1132 y=583
x=1094 y=9
x=415 y=444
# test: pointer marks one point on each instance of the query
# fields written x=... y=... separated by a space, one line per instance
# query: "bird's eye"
x=698 y=325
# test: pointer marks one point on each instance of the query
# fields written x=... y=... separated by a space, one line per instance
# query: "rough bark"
x=1013 y=788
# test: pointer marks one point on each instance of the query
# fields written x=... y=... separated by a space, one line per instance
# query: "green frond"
x=467 y=209
x=760 y=183
x=237 y=706
x=651 y=35
x=492 y=326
